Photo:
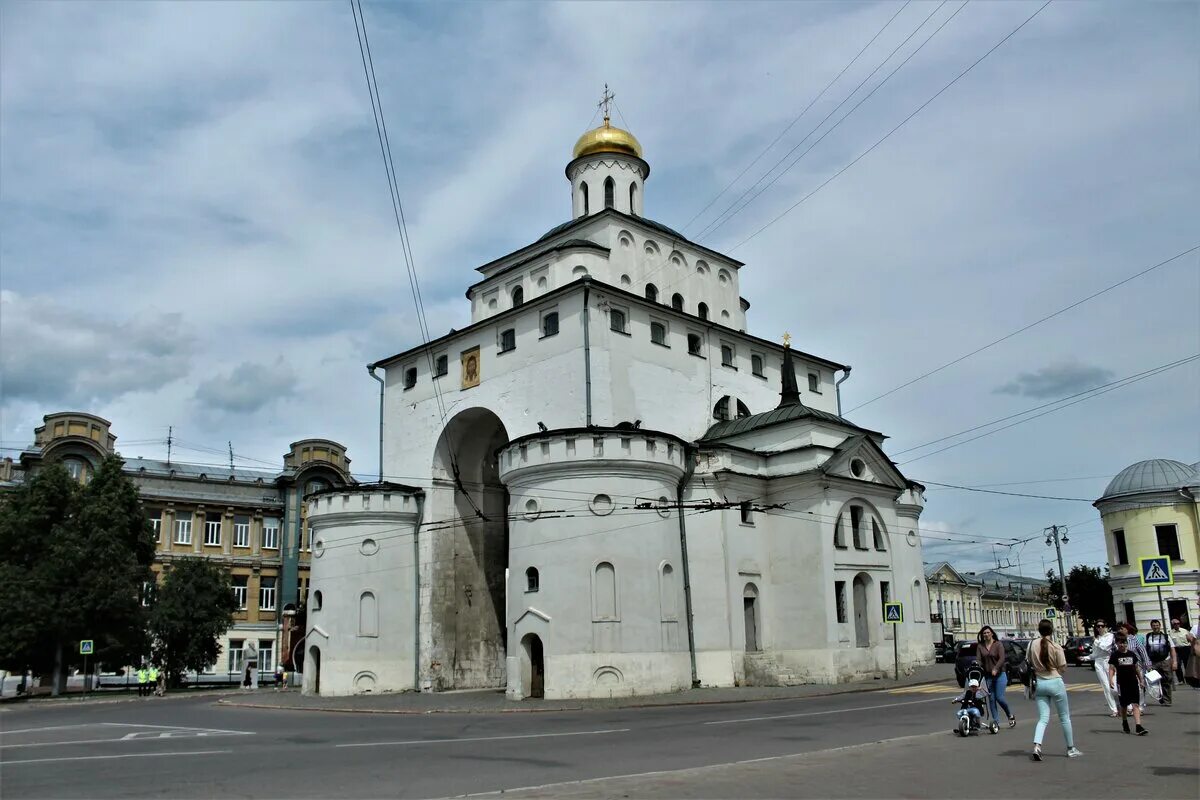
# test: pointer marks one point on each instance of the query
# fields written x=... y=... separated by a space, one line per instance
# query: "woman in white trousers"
x=1102 y=647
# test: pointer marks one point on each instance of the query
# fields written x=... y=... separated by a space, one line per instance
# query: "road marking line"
x=129 y=737
x=171 y=727
x=822 y=713
x=485 y=738
x=55 y=728
x=501 y=792
x=122 y=755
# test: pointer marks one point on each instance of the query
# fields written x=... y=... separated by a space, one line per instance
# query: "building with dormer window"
x=623 y=490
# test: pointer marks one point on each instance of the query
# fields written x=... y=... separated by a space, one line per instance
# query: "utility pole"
x=941 y=610
x=1057 y=535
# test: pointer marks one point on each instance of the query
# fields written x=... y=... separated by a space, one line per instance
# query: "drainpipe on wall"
x=371 y=370
x=689 y=468
x=837 y=387
x=417 y=593
x=587 y=354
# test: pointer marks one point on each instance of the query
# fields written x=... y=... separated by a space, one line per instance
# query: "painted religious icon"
x=470 y=368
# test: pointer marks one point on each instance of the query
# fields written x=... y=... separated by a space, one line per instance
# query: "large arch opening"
x=470 y=558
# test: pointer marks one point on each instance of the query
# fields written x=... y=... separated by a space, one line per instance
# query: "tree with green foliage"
x=193 y=608
x=73 y=561
x=1090 y=593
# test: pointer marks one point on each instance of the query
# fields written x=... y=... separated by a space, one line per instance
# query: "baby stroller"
x=973 y=713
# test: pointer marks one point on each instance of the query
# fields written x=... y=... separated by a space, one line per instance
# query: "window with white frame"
x=147 y=592
x=183 y=527
x=212 y=530
x=270 y=533
x=236 y=653
x=239 y=591
x=156 y=525
x=241 y=531
x=266 y=594
x=266 y=655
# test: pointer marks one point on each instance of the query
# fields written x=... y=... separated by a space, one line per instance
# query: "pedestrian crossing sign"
x=86 y=646
x=1051 y=613
x=1156 y=571
x=893 y=613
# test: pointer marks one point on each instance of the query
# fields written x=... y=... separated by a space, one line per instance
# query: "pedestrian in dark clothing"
x=1125 y=670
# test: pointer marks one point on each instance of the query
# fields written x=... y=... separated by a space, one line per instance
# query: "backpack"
x=1158 y=647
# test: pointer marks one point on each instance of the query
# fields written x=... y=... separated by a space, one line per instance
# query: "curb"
x=76 y=701
x=424 y=712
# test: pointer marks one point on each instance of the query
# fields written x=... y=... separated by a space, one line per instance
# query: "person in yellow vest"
x=157 y=681
x=143 y=677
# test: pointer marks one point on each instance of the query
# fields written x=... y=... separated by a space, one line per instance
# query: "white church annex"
x=615 y=489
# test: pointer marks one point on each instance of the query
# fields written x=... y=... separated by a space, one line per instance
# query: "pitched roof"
x=777 y=416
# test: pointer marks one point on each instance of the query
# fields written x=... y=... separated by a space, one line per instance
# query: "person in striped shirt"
x=1139 y=650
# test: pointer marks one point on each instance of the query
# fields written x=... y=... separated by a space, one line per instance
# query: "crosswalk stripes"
x=954 y=690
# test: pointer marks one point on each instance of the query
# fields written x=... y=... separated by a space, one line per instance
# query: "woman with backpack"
x=1047 y=662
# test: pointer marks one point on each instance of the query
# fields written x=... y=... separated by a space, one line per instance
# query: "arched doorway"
x=862 y=630
x=470 y=555
x=314 y=664
x=533 y=667
x=750 y=614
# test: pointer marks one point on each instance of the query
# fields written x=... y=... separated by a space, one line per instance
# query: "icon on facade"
x=470 y=368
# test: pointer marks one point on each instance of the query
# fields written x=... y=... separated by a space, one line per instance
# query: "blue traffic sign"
x=1156 y=571
x=893 y=613
x=86 y=646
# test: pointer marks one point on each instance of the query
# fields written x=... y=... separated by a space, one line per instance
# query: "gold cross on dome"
x=605 y=100
x=787 y=339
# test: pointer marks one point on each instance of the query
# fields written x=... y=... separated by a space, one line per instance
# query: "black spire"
x=790 y=396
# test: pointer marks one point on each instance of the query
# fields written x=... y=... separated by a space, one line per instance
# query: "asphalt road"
x=191 y=747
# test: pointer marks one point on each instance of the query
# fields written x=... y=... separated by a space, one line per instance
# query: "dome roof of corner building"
x=1155 y=475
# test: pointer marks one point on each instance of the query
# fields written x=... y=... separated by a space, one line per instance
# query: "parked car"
x=1078 y=650
x=943 y=651
x=965 y=656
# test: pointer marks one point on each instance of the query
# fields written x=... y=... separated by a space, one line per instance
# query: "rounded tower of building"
x=596 y=604
x=607 y=170
x=362 y=604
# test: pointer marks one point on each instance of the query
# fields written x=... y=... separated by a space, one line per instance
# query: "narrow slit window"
x=610 y=190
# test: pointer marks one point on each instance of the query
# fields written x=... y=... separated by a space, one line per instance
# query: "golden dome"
x=607 y=139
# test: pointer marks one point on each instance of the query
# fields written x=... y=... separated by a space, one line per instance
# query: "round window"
x=318 y=547
x=912 y=539
x=369 y=547
x=858 y=468
x=601 y=505
x=532 y=508
x=663 y=507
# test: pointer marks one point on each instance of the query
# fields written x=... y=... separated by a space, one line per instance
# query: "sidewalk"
x=940 y=765
x=489 y=701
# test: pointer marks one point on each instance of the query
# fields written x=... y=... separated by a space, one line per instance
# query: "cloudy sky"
x=195 y=229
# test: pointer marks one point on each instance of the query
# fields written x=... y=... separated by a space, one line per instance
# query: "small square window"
x=747 y=512
x=658 y=333
x=508 y=340
x=1168 y=541
x=441 y=366
x=550 y=324
x=616 y=320
x=695 y=345
x=410 y=377
x=814 y=383
x=756 y=366
x=726 y=355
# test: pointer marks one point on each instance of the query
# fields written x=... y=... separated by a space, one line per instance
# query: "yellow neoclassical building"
x=1152 y=508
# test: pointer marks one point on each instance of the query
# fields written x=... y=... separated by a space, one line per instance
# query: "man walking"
x=1162 y=658
x=1179 y=641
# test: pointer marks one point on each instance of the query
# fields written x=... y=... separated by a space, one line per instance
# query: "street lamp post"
x=1057 y=535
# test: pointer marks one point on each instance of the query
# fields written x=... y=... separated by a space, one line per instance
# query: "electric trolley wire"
x=732 y=212
x=1095 y=389
x=1008 y=494
x=1033 y=324
x=902 y=123
x=797 y=118
x=1129 y=382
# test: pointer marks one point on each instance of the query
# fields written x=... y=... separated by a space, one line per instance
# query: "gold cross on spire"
x=787 y=339
x=605 y=100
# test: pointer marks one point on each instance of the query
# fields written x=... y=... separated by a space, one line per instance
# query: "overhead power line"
x=902 y=123
x=1033 y=324
x=797 y=118
x=1009 y=494
x=1119 y=385
x=733 y=212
